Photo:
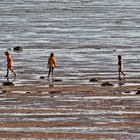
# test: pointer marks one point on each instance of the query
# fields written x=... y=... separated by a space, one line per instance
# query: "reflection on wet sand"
x=68 y=113
x=9 y=82
x=51 y=82
x=121 y=82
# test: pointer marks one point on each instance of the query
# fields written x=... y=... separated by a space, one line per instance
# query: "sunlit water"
x=105 y=28
x=69 y=22
x=74 y=66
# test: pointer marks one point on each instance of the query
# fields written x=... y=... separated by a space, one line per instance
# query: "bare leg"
x=13 y=72
x=122 y=73
x=49 y=73
x=7 y=74
x=119 y=73
x=52 y=72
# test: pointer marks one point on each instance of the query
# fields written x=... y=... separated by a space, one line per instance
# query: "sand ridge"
x=76 y=112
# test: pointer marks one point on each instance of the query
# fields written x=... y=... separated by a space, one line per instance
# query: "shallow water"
x=74 y=66
x=69 y=23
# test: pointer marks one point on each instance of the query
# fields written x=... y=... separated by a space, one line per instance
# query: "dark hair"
x=119 y=57
x=6 y=53
x=52 y=55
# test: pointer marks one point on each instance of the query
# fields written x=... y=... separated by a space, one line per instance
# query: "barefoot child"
x=51 y=64
x=9 y=64
x=120 y=64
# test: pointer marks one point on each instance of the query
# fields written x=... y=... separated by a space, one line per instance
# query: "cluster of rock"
x=99 y=80
x=18 y=48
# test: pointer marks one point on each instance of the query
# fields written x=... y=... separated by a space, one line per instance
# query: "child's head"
x=52 y=55
x=6 y=53
x=119 y=57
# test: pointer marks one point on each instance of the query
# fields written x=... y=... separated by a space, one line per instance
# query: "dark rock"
x=8 y=84
x=39 y=91
x=27 y=11
x=57 y=80
x=94 y=80
x=18 y=48
x=4 y=91
x=127 y=92
x=42 y=77
x=98 y=48
x=138 y=92
x=51 y=85
x=107 y=84
x=28 y=92
x=52 y=92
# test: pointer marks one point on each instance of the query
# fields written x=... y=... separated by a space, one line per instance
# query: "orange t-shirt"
x=9 y=61
x=52 y=62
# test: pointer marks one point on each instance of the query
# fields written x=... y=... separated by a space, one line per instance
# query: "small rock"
x=127 y=92
x=27 y=11
x=51 y=85
x=57 y=80
x=98 y=48
x=107 y=84
x=28 y=93
x=138 y=92
x=94 y=80
x=18 y=48
x=39 y=91
x=4 y=91
x=42 y=77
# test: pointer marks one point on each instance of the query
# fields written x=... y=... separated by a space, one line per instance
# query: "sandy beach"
x=86 y=37
x=76 y=112
x=71 y=106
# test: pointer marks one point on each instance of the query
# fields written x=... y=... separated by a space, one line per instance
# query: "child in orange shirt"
x=9 y=64
x=51 y=64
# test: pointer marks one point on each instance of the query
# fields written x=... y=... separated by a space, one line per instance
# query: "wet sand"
x=76 y=112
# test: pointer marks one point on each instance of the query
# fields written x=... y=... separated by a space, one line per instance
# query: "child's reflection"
x=50 y=82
